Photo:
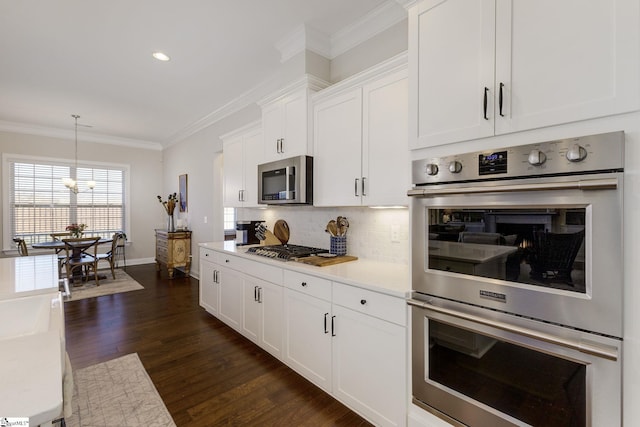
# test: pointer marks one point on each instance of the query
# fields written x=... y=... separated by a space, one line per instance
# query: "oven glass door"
x=528 y=385
x=541 y=246
x=480 y=367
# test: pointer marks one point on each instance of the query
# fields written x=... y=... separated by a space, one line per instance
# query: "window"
x=230 y=219
x=38 y=202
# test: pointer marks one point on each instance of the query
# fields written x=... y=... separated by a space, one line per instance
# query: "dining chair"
x=81 y=254
x=61 y=256
x=111 y=256
x=22 y=246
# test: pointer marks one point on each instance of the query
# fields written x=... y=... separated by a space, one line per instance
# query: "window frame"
x=8 y=158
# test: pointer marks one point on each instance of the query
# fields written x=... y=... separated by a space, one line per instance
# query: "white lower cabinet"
x=230 y=309
x=262 y=314
x=208 y=282
x=344 y=348
x=349 y=341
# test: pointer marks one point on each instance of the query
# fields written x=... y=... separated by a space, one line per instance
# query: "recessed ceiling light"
x=160 y=56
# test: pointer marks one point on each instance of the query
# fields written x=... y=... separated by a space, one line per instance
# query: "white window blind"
x=40 y=204
x=229 y=219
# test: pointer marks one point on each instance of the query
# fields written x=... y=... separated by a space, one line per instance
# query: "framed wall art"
x=182 y=186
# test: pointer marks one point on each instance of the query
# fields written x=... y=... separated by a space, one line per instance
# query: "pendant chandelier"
x=71 y=183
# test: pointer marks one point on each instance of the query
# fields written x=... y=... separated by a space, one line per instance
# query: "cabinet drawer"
x=265 y=272
x=161 y=254
x=385 y=307
x=310 y=285
x=161 y=243
x=209 y=255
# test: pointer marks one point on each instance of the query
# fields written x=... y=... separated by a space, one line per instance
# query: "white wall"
x=145 y=180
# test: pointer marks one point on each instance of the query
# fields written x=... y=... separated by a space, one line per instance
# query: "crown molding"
x=30 y=129
x=301 y=39
x=375 y=22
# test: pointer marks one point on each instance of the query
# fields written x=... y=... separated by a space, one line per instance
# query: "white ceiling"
x=93 y=58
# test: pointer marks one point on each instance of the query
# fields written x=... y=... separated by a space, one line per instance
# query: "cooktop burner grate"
x=286 y=252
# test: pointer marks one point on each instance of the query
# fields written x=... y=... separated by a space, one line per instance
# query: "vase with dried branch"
x=169 y=206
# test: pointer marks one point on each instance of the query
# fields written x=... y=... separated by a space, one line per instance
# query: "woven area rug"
x=117 y=393
x=122 y=283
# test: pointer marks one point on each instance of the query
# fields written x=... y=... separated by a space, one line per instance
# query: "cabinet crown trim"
x=391 y=65
x=307 y=81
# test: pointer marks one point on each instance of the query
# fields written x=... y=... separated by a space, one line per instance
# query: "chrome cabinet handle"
x=326 y=331
x=363 y=192
x=484 y=102
x=355 y=187
x=259 y=297
x=255 y=293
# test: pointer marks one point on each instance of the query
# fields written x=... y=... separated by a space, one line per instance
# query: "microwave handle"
x=289 y=171
x=588 y=184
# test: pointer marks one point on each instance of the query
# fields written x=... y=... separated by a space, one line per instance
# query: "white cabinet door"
x=242 y=153
x=338 y=150
x=251 y=310
x=451 y=61
x=285 y=126
x=233 y=172
x=308 y=337
x=253 y=156
x=489 y=67
x=271 y=299
x=563 y=61
x=385 y=150
x=231 y=294
x=208 y=287
x=262 y=320
x=369 y=361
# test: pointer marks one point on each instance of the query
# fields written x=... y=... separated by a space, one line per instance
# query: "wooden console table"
x=173 y=249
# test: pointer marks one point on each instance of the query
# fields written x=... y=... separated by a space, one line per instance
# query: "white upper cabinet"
x=285 y=120
x=489 y=67
x=242 y=151
x=360 y=139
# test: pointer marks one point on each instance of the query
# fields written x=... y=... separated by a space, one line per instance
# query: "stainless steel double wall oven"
x=517 y=284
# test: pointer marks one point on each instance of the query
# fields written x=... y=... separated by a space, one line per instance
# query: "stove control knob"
x=432 y=169
x=455 y=166
x=576 y=153
x=537 y=158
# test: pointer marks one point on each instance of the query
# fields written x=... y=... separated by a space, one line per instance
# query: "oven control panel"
x=602 y=152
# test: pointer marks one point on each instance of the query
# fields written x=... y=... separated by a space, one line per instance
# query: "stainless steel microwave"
x=286 y=181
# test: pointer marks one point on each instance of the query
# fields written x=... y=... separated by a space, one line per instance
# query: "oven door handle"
x=582 y=346
x=587 y=184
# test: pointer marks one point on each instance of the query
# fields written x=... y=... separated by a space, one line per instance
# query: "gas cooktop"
x=286 y=252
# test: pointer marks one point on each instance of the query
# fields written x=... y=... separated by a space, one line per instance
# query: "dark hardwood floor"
x=206 y=373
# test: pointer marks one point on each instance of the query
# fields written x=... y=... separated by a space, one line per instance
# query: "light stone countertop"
x=388 y=278
x=28 y=275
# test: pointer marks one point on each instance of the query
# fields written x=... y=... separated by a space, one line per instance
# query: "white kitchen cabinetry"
x=360 y=139
x=262 y=314
x=308 y=327
x=230 y=283
x=242 y=153
x=208 y=281
x=349 y=347
x=483 y=68
x=369 y=357
x=285 y=120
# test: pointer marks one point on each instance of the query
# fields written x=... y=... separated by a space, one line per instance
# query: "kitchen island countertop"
x=384 y=277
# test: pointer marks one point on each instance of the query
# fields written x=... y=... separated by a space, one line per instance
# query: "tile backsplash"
x=370 y=230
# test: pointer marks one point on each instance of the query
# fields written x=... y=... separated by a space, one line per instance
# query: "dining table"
x=58 y=246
